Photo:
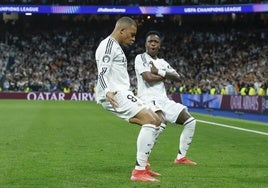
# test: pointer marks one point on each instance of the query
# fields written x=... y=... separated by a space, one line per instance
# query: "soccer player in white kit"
x=151 y=73
x=113 y=93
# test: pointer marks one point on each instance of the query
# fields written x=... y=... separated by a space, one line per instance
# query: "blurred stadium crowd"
x=132 y=2
x=217 y=54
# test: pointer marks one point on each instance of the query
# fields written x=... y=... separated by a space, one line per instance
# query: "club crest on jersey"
x=106 y=59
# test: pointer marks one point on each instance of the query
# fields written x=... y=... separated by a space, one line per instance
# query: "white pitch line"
x=232 y=127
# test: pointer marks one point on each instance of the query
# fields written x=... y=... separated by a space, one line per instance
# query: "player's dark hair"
x=153 y=32
x=126 y=21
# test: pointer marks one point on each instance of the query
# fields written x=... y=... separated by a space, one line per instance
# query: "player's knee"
x=148 y=117
x=153 y=119
x=183 y=117
x=190 y=122
x=157 y=122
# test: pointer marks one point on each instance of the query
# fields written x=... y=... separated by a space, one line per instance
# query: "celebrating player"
x=113 y=93
x=151 y=73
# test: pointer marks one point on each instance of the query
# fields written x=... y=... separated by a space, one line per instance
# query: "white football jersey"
x=147 y=91
x=112 y=68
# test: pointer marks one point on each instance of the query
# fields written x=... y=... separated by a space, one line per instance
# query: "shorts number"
x=132 y=98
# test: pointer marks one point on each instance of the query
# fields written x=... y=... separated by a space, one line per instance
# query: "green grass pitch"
x=70 y=144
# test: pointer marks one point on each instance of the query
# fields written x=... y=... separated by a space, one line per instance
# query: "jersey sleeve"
x=168 y=67
x=141 y=64
x=104 y=58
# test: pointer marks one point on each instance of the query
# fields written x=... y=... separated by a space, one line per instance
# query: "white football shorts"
x=128 y=105
x=170 y=108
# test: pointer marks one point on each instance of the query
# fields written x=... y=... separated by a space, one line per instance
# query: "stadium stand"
x=215 y=52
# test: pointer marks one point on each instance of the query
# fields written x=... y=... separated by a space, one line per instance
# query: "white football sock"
x=186 y=137
x=145 y=143
x=161 y=128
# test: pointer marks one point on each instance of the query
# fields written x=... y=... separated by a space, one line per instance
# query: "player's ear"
x=145 y=43
x=122 y=30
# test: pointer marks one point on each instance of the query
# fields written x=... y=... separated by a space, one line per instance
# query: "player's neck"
x=152 y=56
x=115 y=37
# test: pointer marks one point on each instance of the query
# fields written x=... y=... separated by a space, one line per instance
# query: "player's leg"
x=156 y=107
x=178 y=113
x=132 y=110
x=163 y=125
x=149 y=122
x=186 y=137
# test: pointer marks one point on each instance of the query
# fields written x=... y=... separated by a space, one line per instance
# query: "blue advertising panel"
x=202 y=101
x=160 y=10
x=265 y=105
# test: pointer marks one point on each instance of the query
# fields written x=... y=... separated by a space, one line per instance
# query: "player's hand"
x=154 y=70
x=111 y=98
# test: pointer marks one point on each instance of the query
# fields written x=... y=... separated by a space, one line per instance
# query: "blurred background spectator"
x=56 y=52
